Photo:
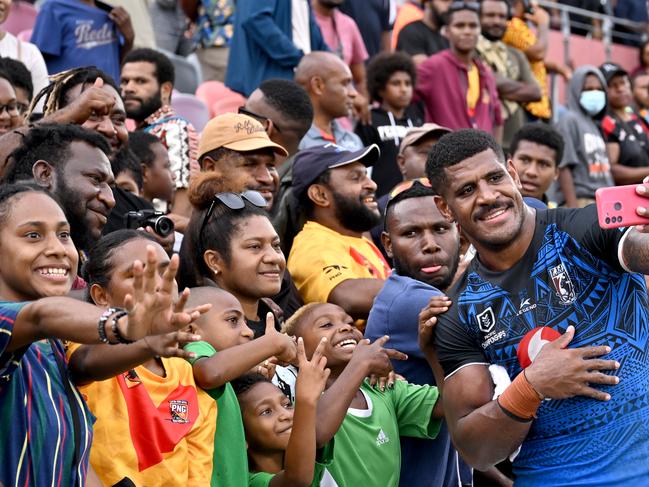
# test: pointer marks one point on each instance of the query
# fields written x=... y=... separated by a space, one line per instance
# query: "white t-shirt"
x=28 y=54
x=300 y=24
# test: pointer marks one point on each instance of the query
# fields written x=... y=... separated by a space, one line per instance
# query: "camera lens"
x=163 y=226
x=617 y=206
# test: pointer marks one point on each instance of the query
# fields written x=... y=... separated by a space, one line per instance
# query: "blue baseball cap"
x=310 y=163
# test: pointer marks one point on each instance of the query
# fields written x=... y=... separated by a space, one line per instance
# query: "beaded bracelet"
x=101 y=325
x=120 y=338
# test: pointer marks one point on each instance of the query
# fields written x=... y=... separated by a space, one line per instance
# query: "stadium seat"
x=211 y=92
x=22 y=17
x=188 y=74
x=230 y=103
x=191 y=108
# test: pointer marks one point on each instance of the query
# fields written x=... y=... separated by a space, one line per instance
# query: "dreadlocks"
x=56 y=93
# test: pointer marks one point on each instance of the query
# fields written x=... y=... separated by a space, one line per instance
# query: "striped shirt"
x=37 y=433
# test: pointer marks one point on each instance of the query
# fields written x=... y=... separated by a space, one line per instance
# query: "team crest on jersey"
x=563 y=284
x=486 y=320
x=179 y=409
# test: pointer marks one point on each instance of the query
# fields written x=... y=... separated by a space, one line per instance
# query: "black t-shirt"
x=259 y=326
x=631 y=135
x=570 y=275
x=387 y=132
x=418 y=38
x=372 y=18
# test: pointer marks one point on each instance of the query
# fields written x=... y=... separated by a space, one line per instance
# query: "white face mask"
x=592 y=101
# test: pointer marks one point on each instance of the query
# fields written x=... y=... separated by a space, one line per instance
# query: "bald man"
x=328 y=81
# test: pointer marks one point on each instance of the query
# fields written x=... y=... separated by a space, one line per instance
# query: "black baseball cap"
x=610 y=70
x=310 y=163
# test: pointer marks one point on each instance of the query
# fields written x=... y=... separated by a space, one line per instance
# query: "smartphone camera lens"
x=607 y=220
x=617 y=206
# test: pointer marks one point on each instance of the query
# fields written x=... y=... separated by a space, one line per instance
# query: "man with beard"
x=331 y=261
x=558 y=306
x=73 y=164
x=423 y=38
x=424 y=248
x=514 y=79
x=147 y=82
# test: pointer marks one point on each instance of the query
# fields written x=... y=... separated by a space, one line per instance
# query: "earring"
x=216 y=272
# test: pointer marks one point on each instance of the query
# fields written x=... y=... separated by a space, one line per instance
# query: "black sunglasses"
x=234 y=201
x=455 y=6
x=265 y=121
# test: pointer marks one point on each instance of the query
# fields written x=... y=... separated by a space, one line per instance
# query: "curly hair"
x=382 y=66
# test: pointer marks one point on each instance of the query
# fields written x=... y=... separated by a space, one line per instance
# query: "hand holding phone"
x=617 y=206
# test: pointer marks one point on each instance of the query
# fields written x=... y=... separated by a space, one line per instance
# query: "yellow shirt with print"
x=322 y=258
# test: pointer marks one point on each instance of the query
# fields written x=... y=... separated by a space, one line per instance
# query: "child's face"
x=330 y=321
x=267 y=417
x=224 y=326
x=398 y=90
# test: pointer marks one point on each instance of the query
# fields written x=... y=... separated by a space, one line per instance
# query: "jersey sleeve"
x=582 y=224
x=9 y=361
x=259 y=479
x=201 y=349
x=414 y=405
x=455 y=348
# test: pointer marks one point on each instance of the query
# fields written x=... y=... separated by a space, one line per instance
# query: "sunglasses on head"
x=405 y=185
x=455 y=6
x=265 y=121
x=234 y=201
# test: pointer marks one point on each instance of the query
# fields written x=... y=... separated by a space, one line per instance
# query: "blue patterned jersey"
x=570 y=275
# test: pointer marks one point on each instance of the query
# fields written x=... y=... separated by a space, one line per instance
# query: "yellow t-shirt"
x=321 y=258
x=473 y=89
x=154 y=430
x=520 y=36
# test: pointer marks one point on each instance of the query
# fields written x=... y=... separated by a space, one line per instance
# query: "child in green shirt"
x=281 y=439
x=367 y=443
x=227 y=352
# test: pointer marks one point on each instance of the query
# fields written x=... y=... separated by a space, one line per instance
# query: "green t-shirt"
x=324 y=459
x=368 y=451
x=230 y=464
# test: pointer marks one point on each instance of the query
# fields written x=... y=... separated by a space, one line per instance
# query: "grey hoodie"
x=585 y=149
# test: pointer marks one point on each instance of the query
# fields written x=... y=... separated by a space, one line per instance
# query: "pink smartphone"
x=616 y=206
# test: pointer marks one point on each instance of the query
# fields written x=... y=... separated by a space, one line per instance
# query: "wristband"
x=520 y=400
x=101 y=326
x=120 y=313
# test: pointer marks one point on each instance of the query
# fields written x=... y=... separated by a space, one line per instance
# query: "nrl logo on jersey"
x=563 y=284
x=486 y=320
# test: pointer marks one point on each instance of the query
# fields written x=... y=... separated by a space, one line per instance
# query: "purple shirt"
x=442 y=83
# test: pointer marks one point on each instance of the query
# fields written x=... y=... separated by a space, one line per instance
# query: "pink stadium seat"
x=228 y=104
x=22 y=17
x=211 y=92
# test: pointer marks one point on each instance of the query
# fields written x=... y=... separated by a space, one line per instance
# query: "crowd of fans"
x=384 y=268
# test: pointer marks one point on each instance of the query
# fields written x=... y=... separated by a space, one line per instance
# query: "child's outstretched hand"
x=313 y=374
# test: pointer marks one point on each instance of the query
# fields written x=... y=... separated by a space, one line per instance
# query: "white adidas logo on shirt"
x=382 y=438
